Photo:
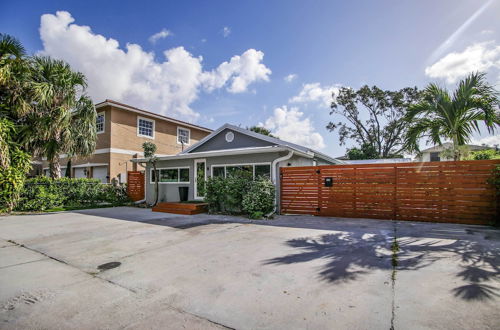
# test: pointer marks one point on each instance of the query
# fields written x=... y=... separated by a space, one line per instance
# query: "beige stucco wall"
x=124 y=133
x=120 y=136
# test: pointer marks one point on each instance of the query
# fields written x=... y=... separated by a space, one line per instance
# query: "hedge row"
x=44 y=193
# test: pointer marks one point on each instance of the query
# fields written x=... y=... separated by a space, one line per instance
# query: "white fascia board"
x=228 y=152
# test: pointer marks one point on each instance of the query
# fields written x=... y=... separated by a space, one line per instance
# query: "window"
x=262 y=170
x=219 y=171
x=435 y=157
x=171 y=175
x=183 y=135
x=145 y=127
x=99 y=123
x=257 y=170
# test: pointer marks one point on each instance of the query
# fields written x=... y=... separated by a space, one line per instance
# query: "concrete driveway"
x=205 y=271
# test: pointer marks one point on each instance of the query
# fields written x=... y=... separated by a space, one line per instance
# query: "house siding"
x=219 y=142
x=169 y=192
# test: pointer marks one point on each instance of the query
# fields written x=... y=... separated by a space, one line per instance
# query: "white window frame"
x=189 y=135
x=241 y=164
x=171 y=168
x=147 y=119
x=103 y=122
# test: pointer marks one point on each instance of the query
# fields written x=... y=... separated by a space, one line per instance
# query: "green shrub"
x=240 y=194
x=225 y=195
x=259 y=199
x=44 y=193
x=14 y=165
x=484 y=154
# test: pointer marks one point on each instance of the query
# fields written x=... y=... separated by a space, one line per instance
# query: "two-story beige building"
x=121 y=131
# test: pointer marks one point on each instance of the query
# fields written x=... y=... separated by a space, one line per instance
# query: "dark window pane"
x=435 y=157
x=184 y=175
x=218 y=171
x=153 y=175
x=169 y=175
x=232 y=170
x=263 y=170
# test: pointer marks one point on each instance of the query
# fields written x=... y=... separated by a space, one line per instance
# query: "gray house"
x=225 y=150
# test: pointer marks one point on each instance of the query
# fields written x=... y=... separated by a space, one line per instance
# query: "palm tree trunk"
x=55 y=168
x=456 y=153
x=157 y=177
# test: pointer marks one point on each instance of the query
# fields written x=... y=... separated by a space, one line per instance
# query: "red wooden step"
x=181 y=208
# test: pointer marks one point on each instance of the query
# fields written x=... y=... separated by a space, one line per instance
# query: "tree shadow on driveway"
x=352 y=254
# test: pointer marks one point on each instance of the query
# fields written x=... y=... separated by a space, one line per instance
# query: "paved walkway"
x=205 y=271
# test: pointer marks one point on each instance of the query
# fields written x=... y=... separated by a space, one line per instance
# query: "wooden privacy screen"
x=429 y=191
x=135 y=185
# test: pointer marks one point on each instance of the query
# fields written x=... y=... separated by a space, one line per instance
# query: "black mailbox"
x=328 y=182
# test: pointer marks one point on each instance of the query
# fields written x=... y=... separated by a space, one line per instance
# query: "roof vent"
x=229 y=136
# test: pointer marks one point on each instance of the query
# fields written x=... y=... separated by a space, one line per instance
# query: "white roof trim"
x=147 y=113
x=229 y=152
x=269 y=139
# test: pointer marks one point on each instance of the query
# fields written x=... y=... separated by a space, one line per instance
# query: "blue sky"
x=320 y=45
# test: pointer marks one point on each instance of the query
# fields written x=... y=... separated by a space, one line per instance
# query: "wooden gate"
x=135 y=185
x=430 y=191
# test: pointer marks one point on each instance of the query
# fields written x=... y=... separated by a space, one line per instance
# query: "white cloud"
x=239 y=72
x=226 y=31
x=291 y=77
x=314 y=92
x=488 y=140
x=289 y=125
x=159 y=35
x=478 y=57
x=134 y=76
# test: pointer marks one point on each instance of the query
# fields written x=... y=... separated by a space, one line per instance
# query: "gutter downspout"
x=274 y=168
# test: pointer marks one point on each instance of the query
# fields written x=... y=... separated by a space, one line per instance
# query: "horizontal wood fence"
x=135 y=185
x=429 y=191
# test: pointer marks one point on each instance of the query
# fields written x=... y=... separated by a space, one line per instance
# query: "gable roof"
x=263 y=137
x=148 y=113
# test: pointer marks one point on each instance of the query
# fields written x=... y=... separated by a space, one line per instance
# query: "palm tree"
x=16 y=93
x=64 y=120
x=441 y=116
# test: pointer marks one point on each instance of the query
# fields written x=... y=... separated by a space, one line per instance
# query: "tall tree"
x=261 y=130
x=374 y=117
x=149 y=149
x=444 y=116
x=15 y=96
x=64 y=120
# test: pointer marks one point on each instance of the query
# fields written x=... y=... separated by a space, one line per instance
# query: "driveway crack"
x=394 y=262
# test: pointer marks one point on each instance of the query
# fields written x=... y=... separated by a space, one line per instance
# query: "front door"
x=200 y=176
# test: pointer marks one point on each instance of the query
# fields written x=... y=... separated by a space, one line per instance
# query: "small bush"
x=44 y=193
x=240 y=194
x=484 y=154
x=259 y=199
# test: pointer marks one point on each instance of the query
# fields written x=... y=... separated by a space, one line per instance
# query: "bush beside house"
x=240 y=194
x=42 y=193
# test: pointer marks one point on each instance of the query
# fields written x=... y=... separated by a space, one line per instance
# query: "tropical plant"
x=149 y=149
x=14 y=164
x=15 y=101
x=444 y=116
x=374 y=118
x=64 y=116
x=16 y=87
